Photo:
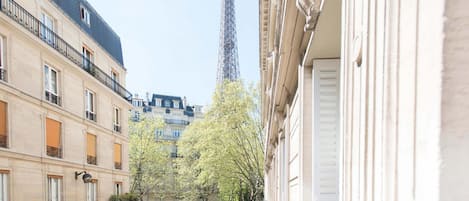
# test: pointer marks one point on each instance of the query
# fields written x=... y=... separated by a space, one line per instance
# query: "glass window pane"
x=54 y=82
x=46 y=78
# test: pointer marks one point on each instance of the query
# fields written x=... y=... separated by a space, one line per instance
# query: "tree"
x=223 y=153
x=148 y=160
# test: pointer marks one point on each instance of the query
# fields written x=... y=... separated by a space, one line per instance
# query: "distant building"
x=62 y=99
x=175 y=112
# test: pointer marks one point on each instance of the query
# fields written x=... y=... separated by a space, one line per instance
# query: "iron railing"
x=36 y=27
x=91 y=159
x=54 y=152
x=3 y=140
x=3 y=74
x=90 y=115
x=118 y=165
x=53 y=98
x=117 y=128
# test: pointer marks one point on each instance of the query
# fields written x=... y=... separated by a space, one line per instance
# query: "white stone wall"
x=26 y=157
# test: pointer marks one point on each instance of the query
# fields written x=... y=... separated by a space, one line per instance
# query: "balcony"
x=33 y=25
x=177 y=122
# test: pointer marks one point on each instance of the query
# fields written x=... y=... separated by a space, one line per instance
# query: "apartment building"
x=173 y=110
x=365 y=100
x=63 y=105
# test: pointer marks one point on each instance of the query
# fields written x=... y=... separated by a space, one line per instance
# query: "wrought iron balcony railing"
x=54 y=152
x=36 y=27
x=3 y=74
x=91 y=159
x=117 y=128
x=53 y=98
x=90 y=115
x=118 y=165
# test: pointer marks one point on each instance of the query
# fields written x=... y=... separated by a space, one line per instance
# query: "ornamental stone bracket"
x=311 y=10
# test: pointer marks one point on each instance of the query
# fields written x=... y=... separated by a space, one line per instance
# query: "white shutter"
x=326 y=111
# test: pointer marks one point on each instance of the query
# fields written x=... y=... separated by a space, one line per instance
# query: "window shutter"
x=91 y=141
x=53 y=133
x=117 y=153
x=326 y=76
x=3 y=118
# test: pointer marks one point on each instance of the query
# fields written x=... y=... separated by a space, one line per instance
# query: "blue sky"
x=171 y=47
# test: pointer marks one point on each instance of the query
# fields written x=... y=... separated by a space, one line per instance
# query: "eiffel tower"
x=228 y=64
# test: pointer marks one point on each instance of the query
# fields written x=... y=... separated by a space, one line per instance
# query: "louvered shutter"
x=326 y=147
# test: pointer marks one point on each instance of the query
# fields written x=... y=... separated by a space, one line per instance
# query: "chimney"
x=184 y=102
x=148 y=97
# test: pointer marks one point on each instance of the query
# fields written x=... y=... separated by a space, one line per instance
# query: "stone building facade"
x=365 y=100
x=173 y=110
x=63 y=119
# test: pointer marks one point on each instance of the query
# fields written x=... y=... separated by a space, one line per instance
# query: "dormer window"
x=176 y=104
x=167 y=103
x=85 y=15
x=158 y=102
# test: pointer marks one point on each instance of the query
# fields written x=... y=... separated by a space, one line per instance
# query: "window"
x=117 y=156
x=91 y=190
x=167 y=103
x=87 y=58
x=47 y=29
x=158 y=102
x=91 y=149
x=53 y=136
x=85 y=15
x=54 y=188
x=90 y=105
x=176 y=104
x=4 y=185
x=159 y=133
x=2 y=60
x=116 y=119
x=51 y=85
x=3 y=125
x=118 y=188
x=176 y=133
x=115 y=80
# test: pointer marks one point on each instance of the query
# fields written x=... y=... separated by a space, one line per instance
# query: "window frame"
x=46 y=30
x=95 y=149
x=88 y=56
x=60 y=148
x=7 y=142
x=48 y=69
x=59 y=180
x=93 y=185
x=85 y=15
x=117 y=188
x=90 y=109
x=116 y=115
x=117 y=167
x=2 y=52
x=4 y=185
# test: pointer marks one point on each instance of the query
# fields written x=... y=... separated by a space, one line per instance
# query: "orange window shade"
x=53 y=133
x=3 y=118
x=91 y=145
x=117 y=153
